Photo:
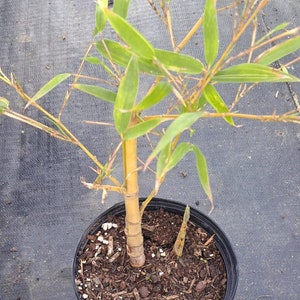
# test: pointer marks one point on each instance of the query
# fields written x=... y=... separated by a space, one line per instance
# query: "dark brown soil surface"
x=199 y=274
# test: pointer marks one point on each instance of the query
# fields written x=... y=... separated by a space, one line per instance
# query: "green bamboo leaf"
x=250 y=72
x=183 y=122
x=50 y=85
x=167 y=160
x=96 y=61
x=92 y=60
x=200 y=104
x=100 y=16
x=126 y=96
x=178 y=154
x=162 y=161
x=57 y=125
x=121 y=7
x=215 y=100
x=277 y=52
x=210 y=32
x=277 y=28
x=97 y=91
x=154 y=96
x=203 y=172
x=115 y=51
x=4 y=104
x=148 y=66
x=142 y=128
x=107 y=69
x=121 y=55
x=178 y=62
x=131 y=36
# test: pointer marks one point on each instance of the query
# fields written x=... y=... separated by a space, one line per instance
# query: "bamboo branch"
x=76 y=77
x=290 y=117
x=38 y=125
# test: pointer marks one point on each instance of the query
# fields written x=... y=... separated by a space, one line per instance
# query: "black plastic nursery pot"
x=201 y=220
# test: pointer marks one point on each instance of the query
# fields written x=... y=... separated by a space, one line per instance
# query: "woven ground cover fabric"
x=44 y=208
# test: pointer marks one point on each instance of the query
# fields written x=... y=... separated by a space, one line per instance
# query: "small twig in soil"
x=119 y=294
x=91 y=294
x=172 y=297
x=123 y=258
x=81 y=267
x=208 y=270
x=110 y=246
x=200 y=287
x=114 y=257
x=191 y=286
x=136 y=294
x=150 y=228
x=209 y=240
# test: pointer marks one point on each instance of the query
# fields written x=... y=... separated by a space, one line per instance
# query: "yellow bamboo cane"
x=133 y=228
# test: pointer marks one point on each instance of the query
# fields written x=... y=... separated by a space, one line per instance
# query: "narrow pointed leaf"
x=4 y=104
x=116 y=52
x=107 y=69
x=55 y=81
x=215 y=100
x=178 y=62
x=121 y=7
x=126 y=96
x=167 y=163
x=57 y=125
x=162 y=161
x=96 y=61
x=256 y=73
x=277 y=28
x=277 y=52
x=100 y=16
x=141 y=128
x=121 y=56
x=131 y=36
x=148 y=66
x=203 y=172
x=178 y=154
x=183 y=122
x=155 y=95
x=210 y=32
x=97 y=91
x=180 y=240
x=201 y=103
x=92 y=60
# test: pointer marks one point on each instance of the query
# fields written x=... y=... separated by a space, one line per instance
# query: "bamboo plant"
x=189 y=85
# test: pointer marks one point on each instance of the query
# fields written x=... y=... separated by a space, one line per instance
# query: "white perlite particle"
x=107 y=226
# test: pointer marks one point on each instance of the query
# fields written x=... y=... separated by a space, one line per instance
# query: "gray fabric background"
x=44 y=209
